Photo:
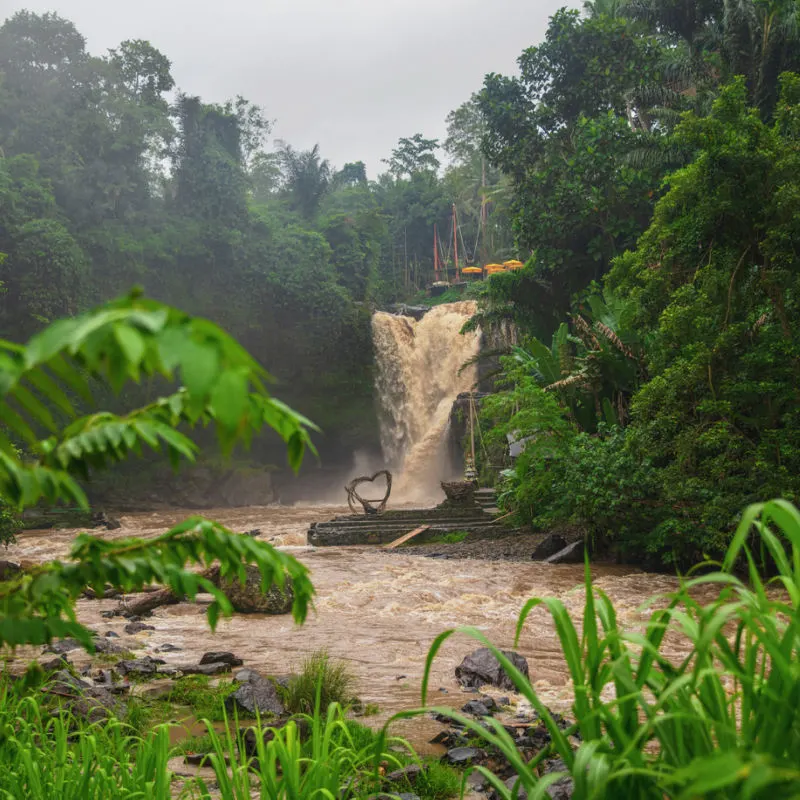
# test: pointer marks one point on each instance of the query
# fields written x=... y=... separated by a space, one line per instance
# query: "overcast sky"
x=352 y=75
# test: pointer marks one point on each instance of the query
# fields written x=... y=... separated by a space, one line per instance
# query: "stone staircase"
x=487 y=500
x=384 y=528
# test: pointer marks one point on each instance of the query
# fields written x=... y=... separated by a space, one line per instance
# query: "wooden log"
x=405 y=537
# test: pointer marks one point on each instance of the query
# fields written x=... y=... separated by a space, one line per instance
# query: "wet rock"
x=103 y=520
x=65 y=681
x=107 y=647
x=255 y=695
x=481 y=667
x=168 y=648
x=9 y=569
x=254 y=532
x=503 y=701
x=111 y=614
x=111 y=635
x=204 y=669
x=462 y=756
x=449 y=739
x=571 y=554
x=402 y=796
x=248 y=598
x=53 y=664
x=221 y=658
x=409 y=774
x=63 y=646
x=143 y=667
x=520 y=795
x=476 y=708
x=138 y=627
x=552 y=544
x=564 y=787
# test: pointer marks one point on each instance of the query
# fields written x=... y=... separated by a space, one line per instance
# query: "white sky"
x=352 y=75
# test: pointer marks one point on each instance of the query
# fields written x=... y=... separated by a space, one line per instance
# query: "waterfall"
x=417 y=380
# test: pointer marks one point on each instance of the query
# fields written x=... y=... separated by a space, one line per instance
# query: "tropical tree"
x=306 y=178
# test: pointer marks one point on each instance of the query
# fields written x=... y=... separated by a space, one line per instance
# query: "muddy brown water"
x=378 y=611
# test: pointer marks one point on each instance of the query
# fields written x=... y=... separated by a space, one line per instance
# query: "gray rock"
x=520 y=795
x=53 y=664
x=571 y=554
x=481 y=667
x=140 y=666
x=461 y=756
x=223 y=657
x=476 y=708
x=138 y=627
x=564 y=787
x=248 y=598
x=204 y=669
x=168 y=648
x=256 y=694
x=107 y=647
x=9 y=570
x=549 y=546
x=112 y=635
x=408 y=774
x=63 y=646
x=255 y=532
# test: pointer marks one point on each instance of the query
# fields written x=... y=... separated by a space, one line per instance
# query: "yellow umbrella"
x=472 y=271
x=490 y=269
x=514 y=264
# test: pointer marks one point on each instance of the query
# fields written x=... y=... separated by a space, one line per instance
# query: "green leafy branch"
x=39 y=605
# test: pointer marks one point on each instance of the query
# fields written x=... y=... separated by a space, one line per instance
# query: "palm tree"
x=761 y=40
x=306 y=178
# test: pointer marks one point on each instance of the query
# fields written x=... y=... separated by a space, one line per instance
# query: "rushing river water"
x=377 y=610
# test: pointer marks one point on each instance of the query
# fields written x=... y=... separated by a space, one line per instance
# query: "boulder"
x=409 y=774
x=9 y=569
x=138 y=627
x=221 y=658
x=84 y=699
x=520 y=795
x=571 y=554
x=255 y=695
x=63 y=646
x=145 y=666
x=168 y=648
x=463 y=756
x=481 y=667
x=203 y=669
x=248 y=598
x=549 y=546
x=564 y=787
x=103 y=520
x=476 y=708
x=107 y=647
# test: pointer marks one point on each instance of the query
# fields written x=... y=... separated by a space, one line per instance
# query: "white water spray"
x=418 y=364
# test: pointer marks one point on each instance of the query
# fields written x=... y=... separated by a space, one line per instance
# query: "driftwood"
x=367 y=505
x=152 y=598
x=405 y=537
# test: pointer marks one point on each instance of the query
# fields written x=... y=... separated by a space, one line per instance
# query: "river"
x=377 y=610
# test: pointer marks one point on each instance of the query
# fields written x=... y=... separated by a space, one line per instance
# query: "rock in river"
x=221 y=658
x=481 y=667
x=248 y=598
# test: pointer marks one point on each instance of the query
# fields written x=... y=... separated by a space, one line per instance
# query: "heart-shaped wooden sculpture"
x=369 y=508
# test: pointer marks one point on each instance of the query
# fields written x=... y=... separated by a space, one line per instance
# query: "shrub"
x=332 y=680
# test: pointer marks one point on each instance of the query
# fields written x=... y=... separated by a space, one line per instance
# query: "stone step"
x=342 y=536
x=379 y=522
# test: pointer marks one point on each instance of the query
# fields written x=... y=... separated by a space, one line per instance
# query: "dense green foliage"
x=122 y=342
x=722 y=721
x=105 y=183
x=659 y=194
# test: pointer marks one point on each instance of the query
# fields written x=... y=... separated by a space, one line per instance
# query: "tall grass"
x=44 y=757
x=322 y=681
x=722 y=722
